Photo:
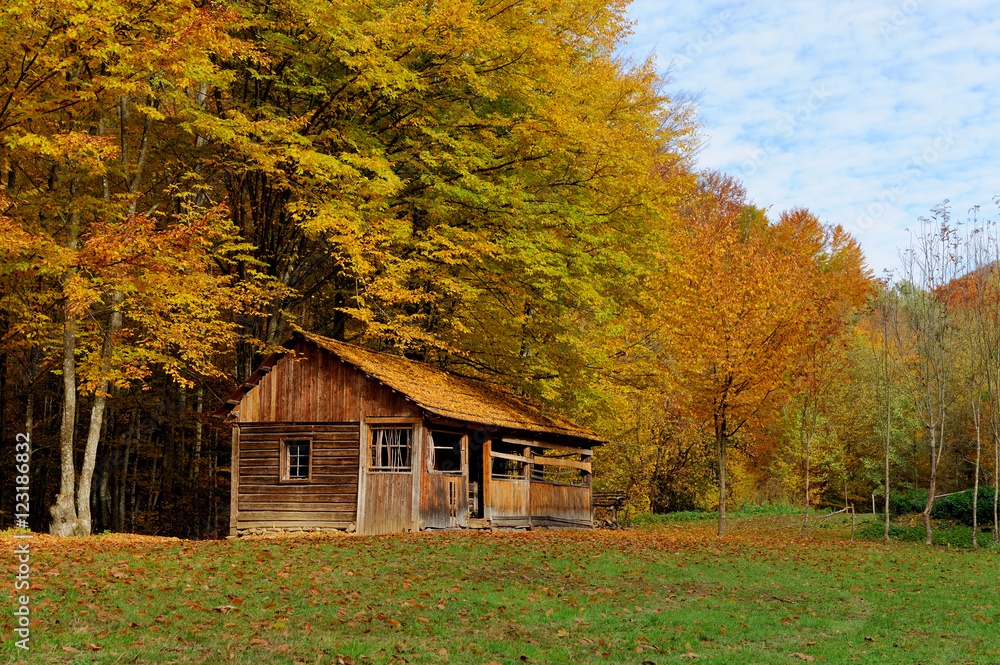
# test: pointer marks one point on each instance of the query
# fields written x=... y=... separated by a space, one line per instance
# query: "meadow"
x=665 y=592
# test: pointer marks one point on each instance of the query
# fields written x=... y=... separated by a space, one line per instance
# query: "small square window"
x=295 y=459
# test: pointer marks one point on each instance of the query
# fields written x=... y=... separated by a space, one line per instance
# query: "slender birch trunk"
x=888 y=438
x=808 y=446
x=996 y=489
x=720 y=446
x=975 y=485
x=97 y=419
x=63 y=511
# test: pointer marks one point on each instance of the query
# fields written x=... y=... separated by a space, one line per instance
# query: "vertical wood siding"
x=320 y=388
x=509 y=502
x=388 y=502
x=560 y=505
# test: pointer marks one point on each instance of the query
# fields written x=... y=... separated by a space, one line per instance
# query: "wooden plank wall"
x=295 y=396
x=329 y=500
x=560 y=505
x=509 y=502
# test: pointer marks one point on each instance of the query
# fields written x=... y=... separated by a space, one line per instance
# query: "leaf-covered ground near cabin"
x=665 y=594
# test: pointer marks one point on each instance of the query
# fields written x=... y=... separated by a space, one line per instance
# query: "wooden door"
x=389 y=500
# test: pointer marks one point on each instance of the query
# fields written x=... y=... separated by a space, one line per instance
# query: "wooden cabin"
x=333 y=436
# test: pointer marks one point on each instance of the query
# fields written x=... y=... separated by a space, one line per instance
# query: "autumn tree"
x=884 y=352
x=103 y=214
x=471 y=183
x=978 y=292
x=748 y=302
x=930 y=264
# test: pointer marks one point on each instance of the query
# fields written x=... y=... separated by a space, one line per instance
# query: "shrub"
x=944 y=534
x=875 y=529
x=768 y=510
x=746 y=510
x=911 y=501
x=958 y=507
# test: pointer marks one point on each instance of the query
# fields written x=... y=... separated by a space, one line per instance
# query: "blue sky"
x=867 y=113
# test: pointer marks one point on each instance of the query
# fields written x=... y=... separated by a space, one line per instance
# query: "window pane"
x=390 y=449
x=298 y=459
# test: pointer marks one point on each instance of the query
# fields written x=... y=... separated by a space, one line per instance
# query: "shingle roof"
x=440 y=392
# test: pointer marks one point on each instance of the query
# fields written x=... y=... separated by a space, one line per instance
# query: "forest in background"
x=481 y=185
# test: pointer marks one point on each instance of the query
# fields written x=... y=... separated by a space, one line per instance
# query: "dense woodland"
x=481 y=185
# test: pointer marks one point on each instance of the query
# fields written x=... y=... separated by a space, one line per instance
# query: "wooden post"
x=528 y=467
x=234 y=483
x=363 y=434
x=463 y=506
x=487 y=478
x=417 y=474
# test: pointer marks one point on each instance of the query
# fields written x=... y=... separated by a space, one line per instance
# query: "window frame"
x=372 y=426
x=284 y=453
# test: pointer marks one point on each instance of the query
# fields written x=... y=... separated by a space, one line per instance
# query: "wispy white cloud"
x=869 y=115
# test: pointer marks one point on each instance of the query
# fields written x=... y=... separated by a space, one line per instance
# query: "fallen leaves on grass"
x=802 y=656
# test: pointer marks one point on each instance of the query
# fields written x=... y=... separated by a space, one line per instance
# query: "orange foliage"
x=751 y=303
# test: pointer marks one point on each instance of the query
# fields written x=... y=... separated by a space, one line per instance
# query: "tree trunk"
x=996 y=490
x=215 y=501
x=134 y=504
x=63 y=511
x=97 y=420
x=121 y=474
x=720 y=445
x=809 y=438
x=104 y=493
x=932 y=488
x=29 y=417
x=975 y=484
x=888 y=438
x=199 y=405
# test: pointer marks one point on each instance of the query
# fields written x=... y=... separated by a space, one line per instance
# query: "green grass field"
x=662 y=593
